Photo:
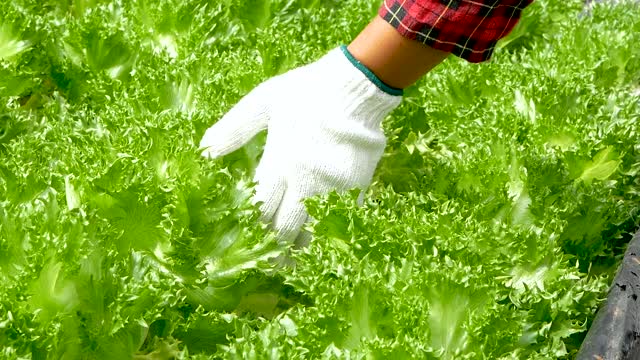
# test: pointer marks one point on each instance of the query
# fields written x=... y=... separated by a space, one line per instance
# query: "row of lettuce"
x=496 y=220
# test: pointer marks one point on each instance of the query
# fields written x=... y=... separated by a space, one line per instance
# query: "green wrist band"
x=370 y=75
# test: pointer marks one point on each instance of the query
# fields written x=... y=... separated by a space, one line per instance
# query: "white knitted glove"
x=324 y=133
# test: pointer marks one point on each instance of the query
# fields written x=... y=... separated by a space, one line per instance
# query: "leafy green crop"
x=497 y=218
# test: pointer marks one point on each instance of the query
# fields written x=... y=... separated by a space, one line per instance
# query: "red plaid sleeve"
x=469 y=29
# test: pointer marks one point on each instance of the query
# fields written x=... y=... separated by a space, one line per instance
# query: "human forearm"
x=397 y=61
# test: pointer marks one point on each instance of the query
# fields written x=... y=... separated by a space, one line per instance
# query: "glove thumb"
x=248 y=117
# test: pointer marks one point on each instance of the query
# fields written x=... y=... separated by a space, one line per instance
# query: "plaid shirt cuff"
x=469 y=29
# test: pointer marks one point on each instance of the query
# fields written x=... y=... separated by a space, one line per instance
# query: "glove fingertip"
x=269 y=194
x=207 y=145
x=288 y=221
x=303 y=239
x=210 y=152
x=217 y=142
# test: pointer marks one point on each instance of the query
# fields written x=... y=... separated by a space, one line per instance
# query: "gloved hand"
x=324 y=133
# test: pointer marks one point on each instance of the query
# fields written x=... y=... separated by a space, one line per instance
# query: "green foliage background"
x=495 y=223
